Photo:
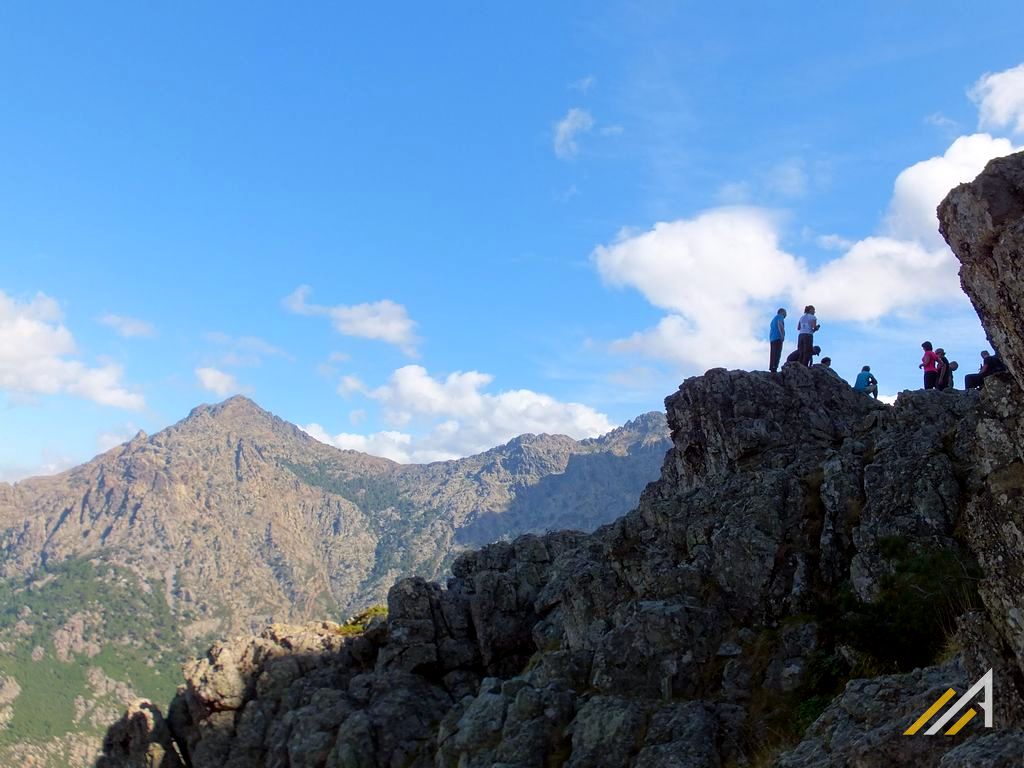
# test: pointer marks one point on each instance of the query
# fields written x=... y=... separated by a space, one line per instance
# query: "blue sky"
x=421 y=229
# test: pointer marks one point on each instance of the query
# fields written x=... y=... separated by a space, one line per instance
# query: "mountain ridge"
x=232 y=518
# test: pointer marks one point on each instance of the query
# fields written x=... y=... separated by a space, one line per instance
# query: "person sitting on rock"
x=806 y=327
x=929 y=363
x=990 y=365
x=866 y=382
x=796 y=355
x=826 y=363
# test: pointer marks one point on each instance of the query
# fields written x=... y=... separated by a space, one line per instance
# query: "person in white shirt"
x=805 y=329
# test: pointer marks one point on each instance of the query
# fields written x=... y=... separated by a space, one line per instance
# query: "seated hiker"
x=796 y=355
x=866 y=382
x=826 y=363
x=990 y=365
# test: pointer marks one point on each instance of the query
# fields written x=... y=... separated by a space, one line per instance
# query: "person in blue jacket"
x=776 y=335
x=866 y=382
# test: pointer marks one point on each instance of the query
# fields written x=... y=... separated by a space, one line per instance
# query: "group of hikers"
x=938 y=370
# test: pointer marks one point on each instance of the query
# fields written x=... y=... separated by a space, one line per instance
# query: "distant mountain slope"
x=113 y=571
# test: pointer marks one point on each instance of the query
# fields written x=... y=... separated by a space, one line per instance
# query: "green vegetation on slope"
x=127 y=630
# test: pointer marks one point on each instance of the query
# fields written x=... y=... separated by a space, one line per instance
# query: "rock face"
x=983 y=222
x=811 y=571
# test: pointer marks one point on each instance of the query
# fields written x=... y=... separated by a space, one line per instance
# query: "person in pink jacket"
x=930 y=364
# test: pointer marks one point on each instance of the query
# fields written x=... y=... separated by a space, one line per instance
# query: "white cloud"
x=357 y=417
x=708 y=272
x=1000 y=99
x=217 y=381
x=455 y=416
x=575 y=122
x=35 y=357
x=383 y=320
x=717 y=274
x=880 y=275
x=391 y=445
x=129 y=327
x=919 y=189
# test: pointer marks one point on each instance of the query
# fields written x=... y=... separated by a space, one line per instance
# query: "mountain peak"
x=235 y=410
x=238 y=415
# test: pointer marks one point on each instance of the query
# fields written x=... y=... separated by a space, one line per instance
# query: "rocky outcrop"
x=812 y=570
x=753 y=578
x=983 y=222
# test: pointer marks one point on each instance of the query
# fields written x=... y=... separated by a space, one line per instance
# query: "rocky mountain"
x=113 y=573
x=812 y=570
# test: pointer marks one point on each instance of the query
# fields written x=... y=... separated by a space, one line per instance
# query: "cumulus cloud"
x=383 y=320
x=36 y=352
x=217 y=381
x=878 y=276
x=1000 y=99
x=718 y=273
x=391 y=445
x=920 y=188
x=128 y=327
x=575 y=122
x=453 y=416
x=708 y=272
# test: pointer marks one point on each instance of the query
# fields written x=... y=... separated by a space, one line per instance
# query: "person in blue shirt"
x=776 y=335
x=866 y=382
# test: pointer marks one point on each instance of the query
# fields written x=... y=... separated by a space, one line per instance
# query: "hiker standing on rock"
x=930 y=364
x=776 y=335
x=806 y=329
